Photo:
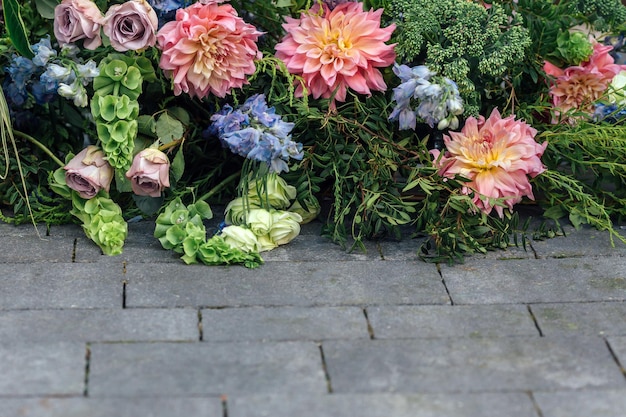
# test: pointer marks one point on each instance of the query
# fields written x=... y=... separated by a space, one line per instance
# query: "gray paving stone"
x=283 y=323
x=42 y=369
x=35 y=249
x=40 y=326
x=383 y=405
x=537 y=280
x=286 y=284
x=312 y=248
x=22 y=230
x=587 y=241
x=618 y=345
x=59 y=285
x=397 y=322
x=108 y=407
x=591 y=403
x=470 y=365
x=604 y=318
x=189 y=369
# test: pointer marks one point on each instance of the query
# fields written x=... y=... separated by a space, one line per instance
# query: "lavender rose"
x=131 y=25
x=149 y=174
x=88 y=172
x=78 y=19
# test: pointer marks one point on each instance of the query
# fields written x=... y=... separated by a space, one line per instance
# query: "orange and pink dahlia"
x=337 y=49
x=208 y=49
x=497 y=155
x=579 y=87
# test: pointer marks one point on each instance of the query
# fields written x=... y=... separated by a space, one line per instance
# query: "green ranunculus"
x=308 y=213
x=273 y=189
x=236 y=211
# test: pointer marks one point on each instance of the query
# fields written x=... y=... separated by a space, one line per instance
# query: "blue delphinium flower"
x=609 y=113
x=47 y=75
x=43 y=52
x=439 y=100
x=256 y=132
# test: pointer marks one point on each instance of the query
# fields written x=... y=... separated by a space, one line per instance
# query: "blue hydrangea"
x=438 y=98
x=256 y=132
x=166 y=9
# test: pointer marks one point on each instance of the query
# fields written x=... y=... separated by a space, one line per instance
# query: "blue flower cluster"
x=49 y=73
x=256 y=132
x=438 y=97
x=609 y=113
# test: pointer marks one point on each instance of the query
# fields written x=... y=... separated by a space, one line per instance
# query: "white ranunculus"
x=260 y=222
x=285 y=227
x=240 y=238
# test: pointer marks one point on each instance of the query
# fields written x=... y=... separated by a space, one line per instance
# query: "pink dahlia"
x=208 y=49
x=497 y=155
x=579 y=86
x=337 y=49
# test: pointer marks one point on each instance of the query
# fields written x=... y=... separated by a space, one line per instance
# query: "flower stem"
x=219 y=186
x=39 y=145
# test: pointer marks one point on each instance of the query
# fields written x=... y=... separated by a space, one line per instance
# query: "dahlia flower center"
x=481 y=153
x=334 y=44
x=209 y=53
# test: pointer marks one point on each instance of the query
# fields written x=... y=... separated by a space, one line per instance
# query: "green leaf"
x=178 y=165
x=46 y=8
x=121 y=182
x=16 y=28
x=148 y=205
x=554 y=212
x=169 y=129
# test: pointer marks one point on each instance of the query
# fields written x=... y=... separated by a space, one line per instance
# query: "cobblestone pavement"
x=314 y=332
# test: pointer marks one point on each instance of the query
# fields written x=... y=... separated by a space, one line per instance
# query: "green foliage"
x=595 y=158
x=604 y=15
x=454 y=225
x=475 y=47
x=16 y=28
x=358 y=166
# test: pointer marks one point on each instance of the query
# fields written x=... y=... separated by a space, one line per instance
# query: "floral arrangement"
x=378 y=116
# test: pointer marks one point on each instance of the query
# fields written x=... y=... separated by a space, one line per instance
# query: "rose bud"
x=131 y=25
x=88 y=172
x=78 y=19
x=149 y=174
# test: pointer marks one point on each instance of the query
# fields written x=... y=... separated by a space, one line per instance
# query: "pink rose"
x=149 y=173
x=131 y=25
x=78 y=19
x=88 y=172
